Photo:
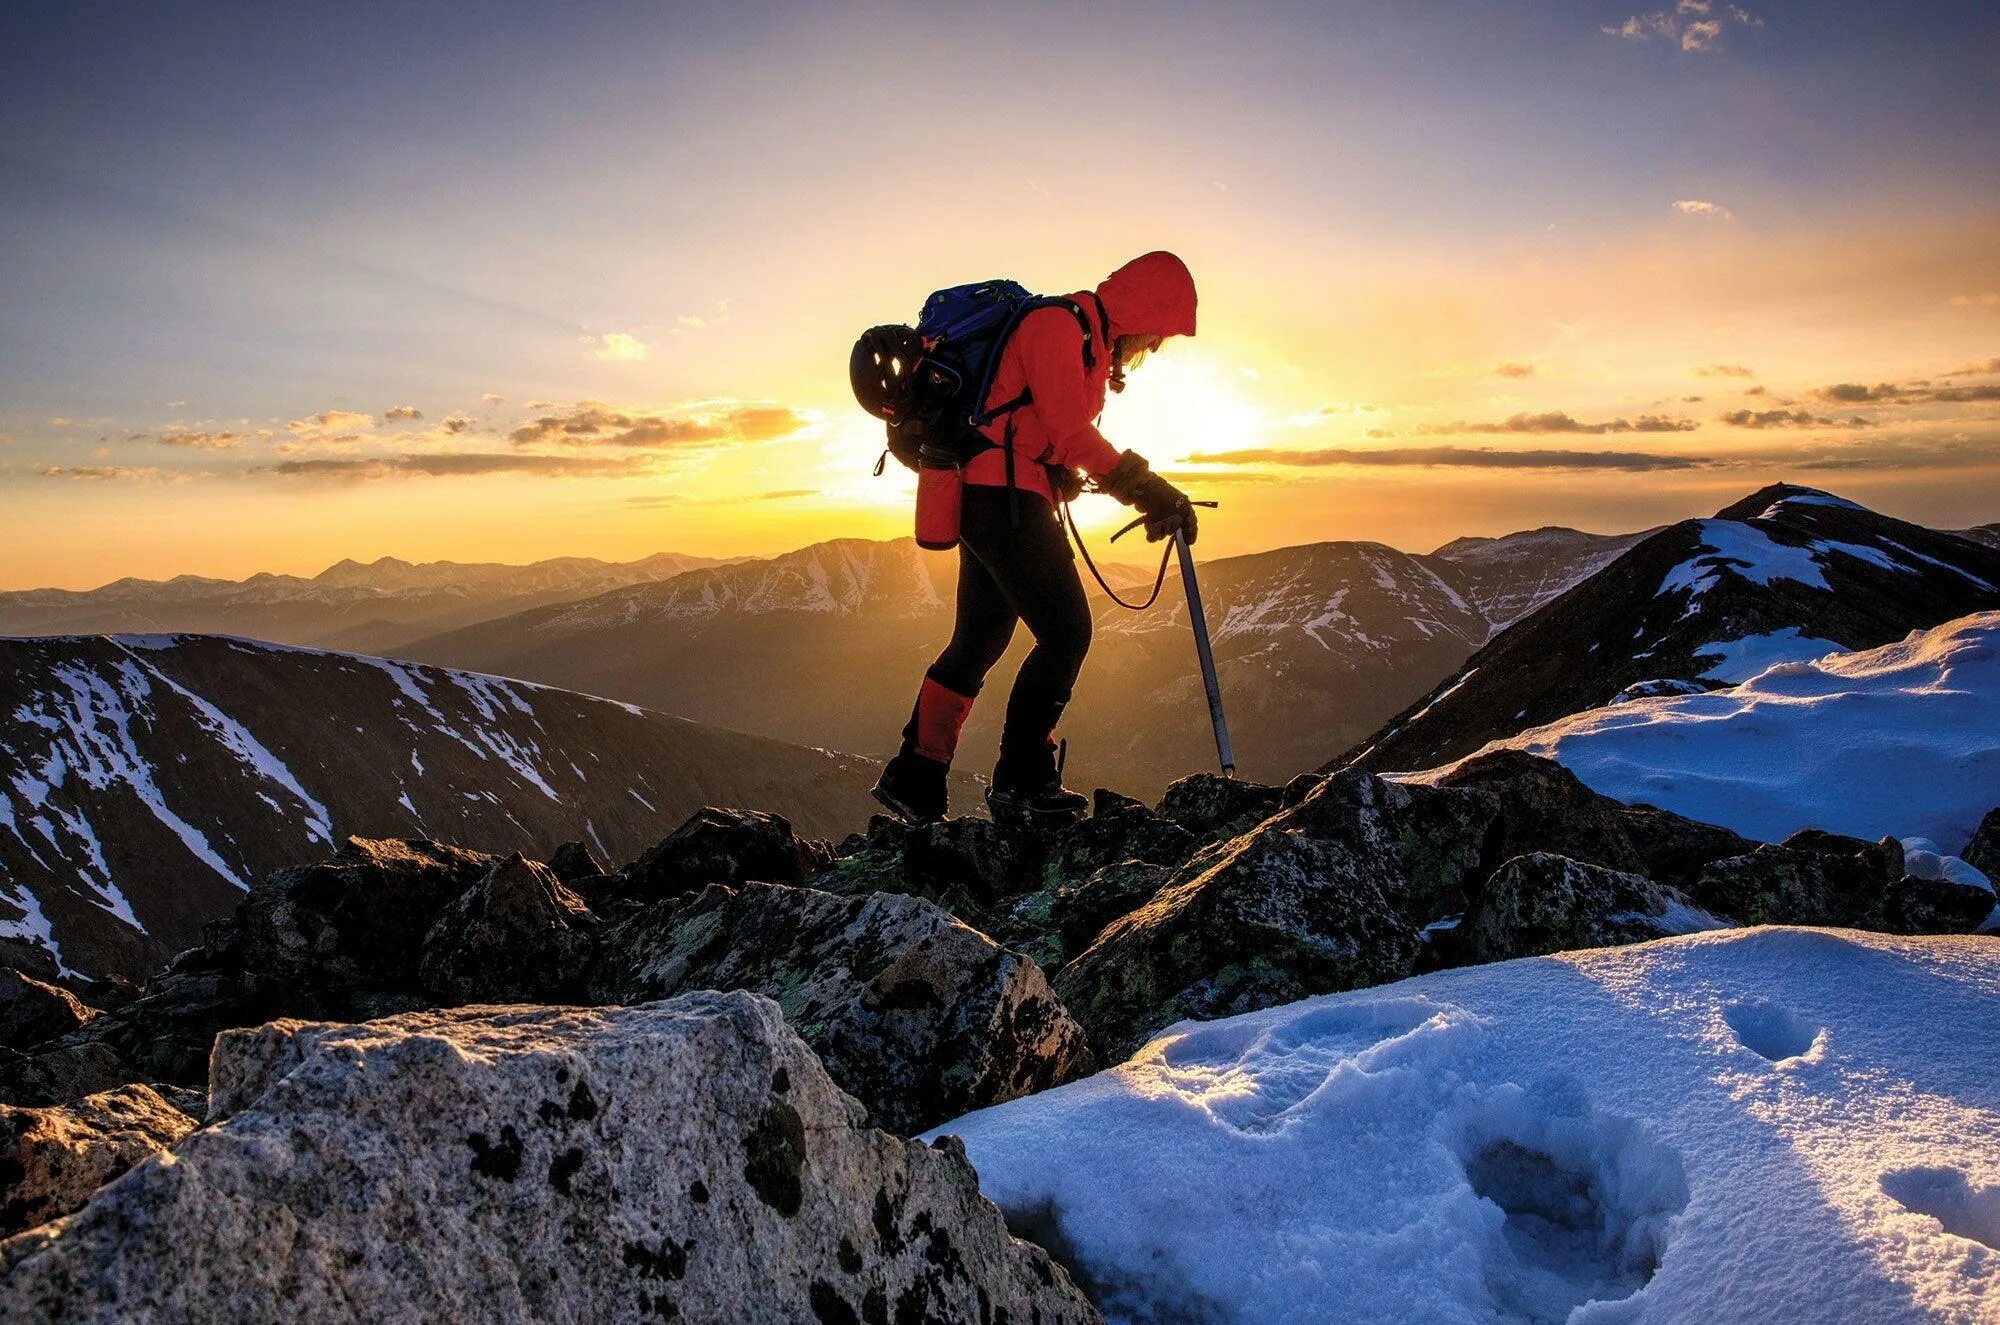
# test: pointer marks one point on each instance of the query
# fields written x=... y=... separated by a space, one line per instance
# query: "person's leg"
x=1032 y=566
x=913 y=784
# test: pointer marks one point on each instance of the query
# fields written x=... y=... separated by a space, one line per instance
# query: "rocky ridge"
x=923 y=972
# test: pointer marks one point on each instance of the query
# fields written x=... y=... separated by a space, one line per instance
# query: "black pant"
x=1008 y=574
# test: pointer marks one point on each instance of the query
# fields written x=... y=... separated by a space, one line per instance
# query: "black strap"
x=1069 y=518
x=1013 y=492
x=1104 y=320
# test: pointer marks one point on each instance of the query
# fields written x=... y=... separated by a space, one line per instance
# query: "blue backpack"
x=930 y=382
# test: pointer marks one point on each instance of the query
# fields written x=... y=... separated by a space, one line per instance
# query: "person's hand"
x=1166 y=508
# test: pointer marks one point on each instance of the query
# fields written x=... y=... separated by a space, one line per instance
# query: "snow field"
x=1899 y=740
x=1750 y=1125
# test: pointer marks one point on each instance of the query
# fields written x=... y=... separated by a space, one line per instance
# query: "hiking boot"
x=1047 y=805
x=1027 y=788
x=913 y=789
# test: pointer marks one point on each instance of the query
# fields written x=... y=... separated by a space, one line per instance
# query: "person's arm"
x=1051 y=346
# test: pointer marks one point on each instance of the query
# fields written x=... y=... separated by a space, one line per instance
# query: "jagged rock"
x=31 y=1012
x=52 y=1159
x=721 y=846
x=974 y=862
x=357 y=920
x=688 y=1160
x=31 y=957
x=915 y=1014
x=1544 y=807
x=1925 y=901
x=1983 y=851
x=572 y=861
x=1433 y=840
x=1542 y=903
x=1812 y=878
x=1082 y=909
x=1323 y=897
x=1210 y=805
x=516 y=936
x=1676 y=850
x=1119 y=828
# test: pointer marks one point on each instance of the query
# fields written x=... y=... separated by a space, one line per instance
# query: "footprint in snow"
x=1950 y=1197
x=1589 y=1205
x=1774 y=1031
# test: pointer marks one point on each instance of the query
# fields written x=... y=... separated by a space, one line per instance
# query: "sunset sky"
x=285 y=284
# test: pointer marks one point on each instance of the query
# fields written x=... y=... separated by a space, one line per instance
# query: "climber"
x=1014 y=560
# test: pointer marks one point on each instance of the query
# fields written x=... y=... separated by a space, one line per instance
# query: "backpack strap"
x=1025 y=396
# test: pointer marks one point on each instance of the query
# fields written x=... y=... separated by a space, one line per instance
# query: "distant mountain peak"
x=1764 y=502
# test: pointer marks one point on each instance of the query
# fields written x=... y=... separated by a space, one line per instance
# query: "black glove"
x=1166 y=508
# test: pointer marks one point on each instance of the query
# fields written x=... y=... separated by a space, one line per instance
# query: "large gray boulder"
x=52 y=1159
x=1541 y=903
x=917 y=1015
x=687 y=1160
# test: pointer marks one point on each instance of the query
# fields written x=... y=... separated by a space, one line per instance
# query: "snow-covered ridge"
x=1751 y=553
x=1709 y=1128
x=1898 y=740
x=145 y=781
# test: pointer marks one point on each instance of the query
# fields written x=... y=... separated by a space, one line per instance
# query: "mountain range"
x=1317 y=645
x=373 y=607
x=146 y=780
x=1787 y=573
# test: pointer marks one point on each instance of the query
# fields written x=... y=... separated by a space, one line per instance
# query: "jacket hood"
x=1150 y=296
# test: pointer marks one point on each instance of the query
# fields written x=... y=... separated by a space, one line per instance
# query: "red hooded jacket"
x=1148 y=296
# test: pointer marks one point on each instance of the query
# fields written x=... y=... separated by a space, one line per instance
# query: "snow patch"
x=1661 y=1132
x=1741 y=659
x=1902 y=739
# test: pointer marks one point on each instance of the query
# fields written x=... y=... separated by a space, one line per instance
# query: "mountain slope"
x=1313 y=644
x=375 y=607
x=1316 y=645
x=1516 y=573
x=1916 y=724
x=1787 y=572
x=146 y=780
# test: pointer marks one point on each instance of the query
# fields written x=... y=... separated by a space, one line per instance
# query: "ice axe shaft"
x=1199 y=620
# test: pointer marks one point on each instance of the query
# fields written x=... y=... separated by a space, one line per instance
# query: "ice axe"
x=1199 y=621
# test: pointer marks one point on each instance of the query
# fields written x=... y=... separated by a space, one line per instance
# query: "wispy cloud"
x=112 y=474
x=1981 y=368
x=463 y=464
x=331 y=421
x=1713 y=211
x=1915 y=392
x=1723 y=370
x=617 y=347
x=1338 y=410
x=1511 y=368
x=1557 y=421
x=1691 y=25
x=207 y=441
x=1788 y=418
x=1455 y=457
x=591 y=423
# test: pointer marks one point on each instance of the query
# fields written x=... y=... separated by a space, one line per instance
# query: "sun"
x=1177 y=403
